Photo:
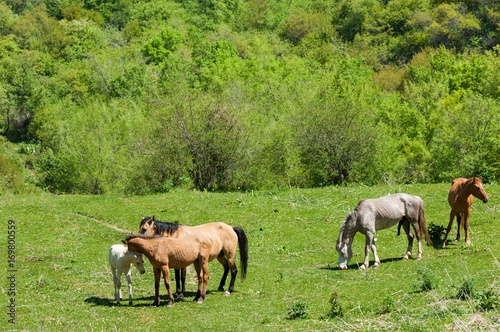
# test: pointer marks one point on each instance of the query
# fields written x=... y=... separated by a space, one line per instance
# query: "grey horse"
x=372 y=215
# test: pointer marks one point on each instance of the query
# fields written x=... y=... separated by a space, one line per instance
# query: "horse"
x=120 y=260
x=224 y=237
x=460 y=198
x=165 y=253
x=371 y=215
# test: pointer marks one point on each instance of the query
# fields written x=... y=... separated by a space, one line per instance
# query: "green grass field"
x=63 y=280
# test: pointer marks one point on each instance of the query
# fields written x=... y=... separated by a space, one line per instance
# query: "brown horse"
x=460 y=198
x=225 y=238
x=164 y=253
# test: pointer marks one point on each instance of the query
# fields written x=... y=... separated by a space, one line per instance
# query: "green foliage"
x=489 y=300
x=427 y=278
x=467 y=290
x=336 y=309
x=11 y=178
x=436 y=233
x=297 y=310
x=387 y=306
x=160 y=48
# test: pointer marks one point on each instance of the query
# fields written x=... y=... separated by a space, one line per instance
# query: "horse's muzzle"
x=485 y=200
x=143 y=271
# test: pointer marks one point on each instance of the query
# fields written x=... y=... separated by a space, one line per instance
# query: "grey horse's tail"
x=423 y=224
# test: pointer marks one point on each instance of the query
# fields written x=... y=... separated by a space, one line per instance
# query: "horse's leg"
x=418 y=233
x=129 y=287
x=115 y=282
x=224 y=263
x=118 y=286
x=459 y=222
x=206 y=276
x=234 y=271
x=466 y=226
x=368 y=246
x=197 y=267
x=183 y=281
x=409 y=235
x=157 y=273
x=166 y=277
x=448 y=229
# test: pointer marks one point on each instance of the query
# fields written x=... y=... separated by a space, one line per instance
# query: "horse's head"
x=345 y=254
x=148 y=226
x=139 y=263
x=478 y=190
x=344 y=248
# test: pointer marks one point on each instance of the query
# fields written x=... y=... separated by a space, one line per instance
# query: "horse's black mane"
x=141 y=236
x=162 y=227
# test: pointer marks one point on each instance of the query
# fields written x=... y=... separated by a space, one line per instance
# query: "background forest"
x=141 y=96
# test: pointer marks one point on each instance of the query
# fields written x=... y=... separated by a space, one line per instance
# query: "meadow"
x=63 y=280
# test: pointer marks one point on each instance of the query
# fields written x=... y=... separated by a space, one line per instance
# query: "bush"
x=489 y=300
x=11 y=178
x=428 y=280
x=336 y=308
x=467 y=290
x=298 y=309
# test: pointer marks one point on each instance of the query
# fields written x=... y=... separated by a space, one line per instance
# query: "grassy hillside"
x=63 y=280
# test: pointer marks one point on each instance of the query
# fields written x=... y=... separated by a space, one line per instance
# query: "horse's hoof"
x=155 y=304
x=221 y=289
x=227 y=293
x=375 y=267
x=199 y=301
x=130 y=303
x=362 y=267
x=405 y=258
x=419 y=258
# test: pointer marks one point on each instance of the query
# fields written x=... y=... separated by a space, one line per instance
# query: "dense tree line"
x=138 y=96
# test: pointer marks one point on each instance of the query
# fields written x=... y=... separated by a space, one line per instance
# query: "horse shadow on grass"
x=355 y=266
x=144 y=301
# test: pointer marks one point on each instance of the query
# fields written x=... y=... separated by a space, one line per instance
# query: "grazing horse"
x=165 y=253
x=120 y=260
x=460 y=198
x=224 y=237
x=372 y=215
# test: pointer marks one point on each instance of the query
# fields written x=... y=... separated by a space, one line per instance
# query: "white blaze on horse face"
x=345 y=255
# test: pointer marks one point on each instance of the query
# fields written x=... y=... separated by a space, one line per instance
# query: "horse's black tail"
x=243 y=243
x=423 y=224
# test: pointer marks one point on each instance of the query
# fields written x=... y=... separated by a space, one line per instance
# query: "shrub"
x=336 y=308
x=467 y=290
x=298 y=309
x=489 y=300
x=436 y=232
x=428 y=280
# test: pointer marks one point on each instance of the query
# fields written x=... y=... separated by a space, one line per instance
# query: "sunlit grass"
x=64 y=282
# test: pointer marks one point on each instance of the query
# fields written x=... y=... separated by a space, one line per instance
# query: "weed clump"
x=436 y=233
x=489 y=300
x=427 y=278
x=467 y=290
x=387 y=306
x=336 y=308
x=298 y=309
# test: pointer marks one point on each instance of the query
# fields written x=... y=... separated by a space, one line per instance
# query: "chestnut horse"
x=460 y=198
x=225 y=238
x=372 y=215
x=165 y=253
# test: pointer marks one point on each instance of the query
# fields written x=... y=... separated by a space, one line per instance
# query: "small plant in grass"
x=336 y=309
x=489 y=300
x=428 y=280
x=298 y=309
x=436 y=233
x=387 y=306
x=467 y=290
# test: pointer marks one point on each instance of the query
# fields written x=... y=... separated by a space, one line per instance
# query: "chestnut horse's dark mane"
x=162 y=227
x=141 y=236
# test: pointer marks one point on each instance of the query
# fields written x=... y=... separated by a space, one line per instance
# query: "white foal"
x=120 y=260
